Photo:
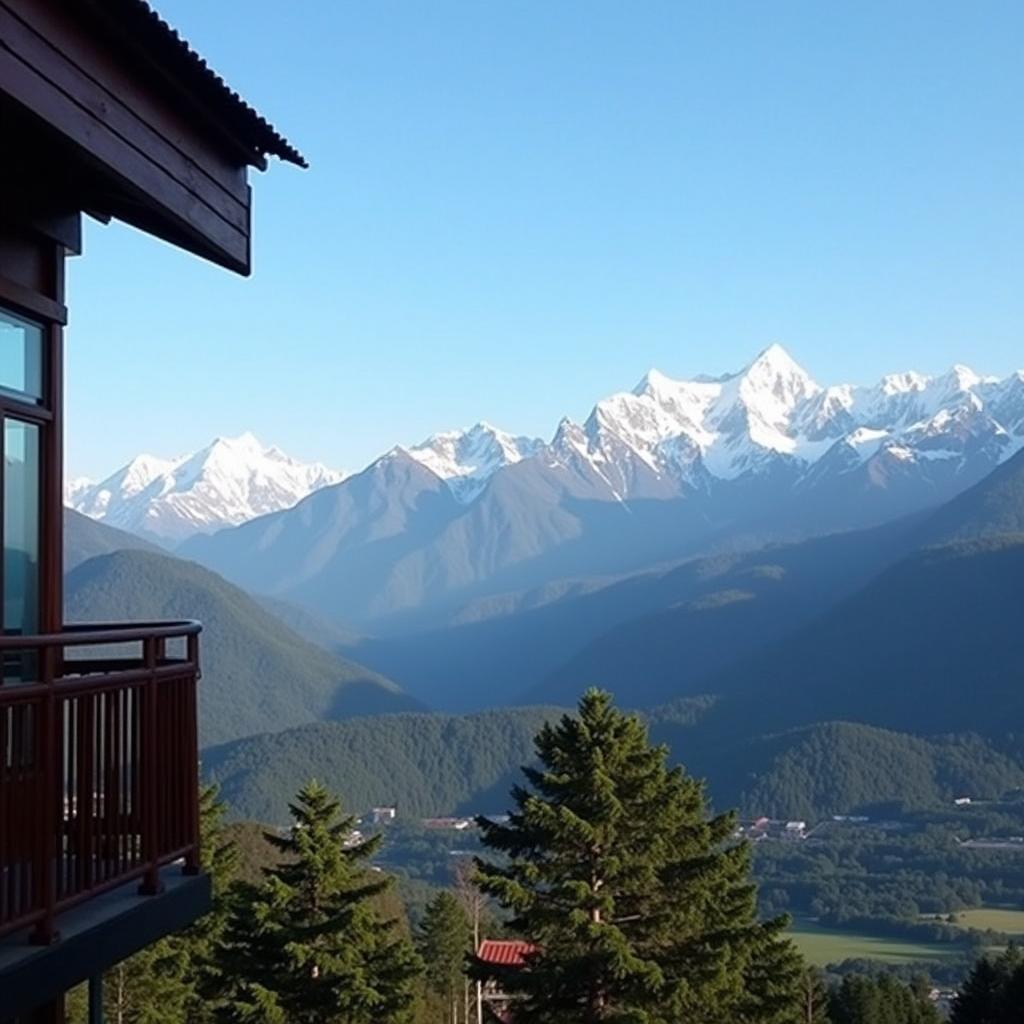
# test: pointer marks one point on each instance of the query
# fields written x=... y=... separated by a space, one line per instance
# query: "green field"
x=999 y=919
x=821 y=946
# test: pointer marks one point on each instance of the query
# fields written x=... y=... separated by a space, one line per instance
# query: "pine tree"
x=855 y=1001
x=993 y=991
x=219 y=859
x=1012 y=1008
x=308 y=946
x=443 y=942
x=639 y=904
x=881 y=1000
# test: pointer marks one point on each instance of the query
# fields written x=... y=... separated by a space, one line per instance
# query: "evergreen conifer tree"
x=979 y=997
x=308 y=946
x=639 y=903
x=993 y=992
x=443 y=941
x=219 y=859
x=882 y=1000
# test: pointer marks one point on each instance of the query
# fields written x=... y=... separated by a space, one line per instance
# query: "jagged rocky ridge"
x=668 y=470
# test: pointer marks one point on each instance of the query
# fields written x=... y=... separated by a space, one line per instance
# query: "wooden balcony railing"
x=98 y=765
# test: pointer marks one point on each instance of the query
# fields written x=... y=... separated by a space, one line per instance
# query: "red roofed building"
x=493 y=1002
x=507 y=952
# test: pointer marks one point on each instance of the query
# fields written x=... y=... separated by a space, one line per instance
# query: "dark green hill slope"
x=431 y=765
x=257 y=674
x=934 y=644
x=309 y=624
x=84 y=538
x=725 y=608
x=426 y=764
x=841 y=768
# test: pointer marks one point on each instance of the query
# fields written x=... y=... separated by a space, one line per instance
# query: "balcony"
x=98 y=768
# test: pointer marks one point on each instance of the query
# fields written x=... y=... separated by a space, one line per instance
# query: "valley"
x=390 y=636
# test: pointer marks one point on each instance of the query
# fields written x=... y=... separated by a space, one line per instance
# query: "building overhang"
x=105 y=110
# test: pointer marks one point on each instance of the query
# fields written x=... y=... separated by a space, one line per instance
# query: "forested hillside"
x=425 y=764
x=257 y=674
x=723 y=608
x=993 y=507
x=432 y=765
x=933 y=645
x=650 y=637
x=843 y=768
x=85 y=538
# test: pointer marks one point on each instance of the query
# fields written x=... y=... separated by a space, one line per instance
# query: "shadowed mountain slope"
x=993 y=507
x=85 y=538
x=933 y=644
x=258 y=675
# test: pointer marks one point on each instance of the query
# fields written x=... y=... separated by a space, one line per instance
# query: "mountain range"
x=808 y=675
x=230 y=481
x=474 y=522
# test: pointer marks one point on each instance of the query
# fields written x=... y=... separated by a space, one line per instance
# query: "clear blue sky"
x=514 y=209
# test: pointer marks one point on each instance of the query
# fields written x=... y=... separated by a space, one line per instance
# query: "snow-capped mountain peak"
x=666 y=437
x=774 y=372
x=466 y=459
x=725 y=425
x=142 y=471
x=901 y=383
x=76 y=487
x=231 y=480
x=709 y=428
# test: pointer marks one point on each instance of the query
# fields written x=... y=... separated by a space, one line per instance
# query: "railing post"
x=96 y=999
x=50 y=812
x=149 y=767
x=193 y=860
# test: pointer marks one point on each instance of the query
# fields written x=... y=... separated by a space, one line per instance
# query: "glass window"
x=21 y=527
x=21 y=355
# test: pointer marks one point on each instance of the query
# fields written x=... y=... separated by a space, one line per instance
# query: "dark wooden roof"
x=139 y=27
x=106 y=110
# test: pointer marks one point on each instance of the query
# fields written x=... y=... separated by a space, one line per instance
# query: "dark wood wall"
x=32 y=283
x=31 y=267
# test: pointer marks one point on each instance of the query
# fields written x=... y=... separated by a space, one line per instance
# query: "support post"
x=150 y=885
x=50 y=811
x=96 y=999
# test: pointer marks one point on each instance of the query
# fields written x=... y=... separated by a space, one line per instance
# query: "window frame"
x=44 y=414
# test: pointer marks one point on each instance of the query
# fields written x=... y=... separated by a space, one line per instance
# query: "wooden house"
x=106 y=112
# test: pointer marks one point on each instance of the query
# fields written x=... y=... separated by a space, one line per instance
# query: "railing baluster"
x=150 y=767
x=194 y=860
x=48 y=806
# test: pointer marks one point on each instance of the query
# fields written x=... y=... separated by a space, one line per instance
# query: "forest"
x=633 y=893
